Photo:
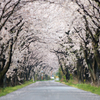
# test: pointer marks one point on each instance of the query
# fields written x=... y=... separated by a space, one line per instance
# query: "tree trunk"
x=97 y=56
x=1 y=82
x=91 y=67
x=61 y=67
x=8 y=62
x=67 y=74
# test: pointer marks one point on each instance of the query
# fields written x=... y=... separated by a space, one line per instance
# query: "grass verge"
x=4 y=91
x=83 y=86
x=43 y=80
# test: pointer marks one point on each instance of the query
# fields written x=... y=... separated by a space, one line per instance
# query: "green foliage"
x=88 y=87
x=64 y=78
x=60 y=74
x=45 y=80
x=4 y=91
x=71 y=77
x=84 y=86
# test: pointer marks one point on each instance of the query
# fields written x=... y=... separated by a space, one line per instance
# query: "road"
x=50 y=90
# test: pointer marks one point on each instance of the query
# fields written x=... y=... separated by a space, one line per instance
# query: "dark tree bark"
x=8 y=62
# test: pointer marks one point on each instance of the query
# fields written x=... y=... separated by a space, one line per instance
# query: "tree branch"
x=9 y=15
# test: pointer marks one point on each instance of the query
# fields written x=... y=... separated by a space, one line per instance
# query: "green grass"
x=84 y=86
x=43 y=80
x=4 y=91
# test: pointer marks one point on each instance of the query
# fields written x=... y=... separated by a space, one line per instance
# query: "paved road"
x=50 y=90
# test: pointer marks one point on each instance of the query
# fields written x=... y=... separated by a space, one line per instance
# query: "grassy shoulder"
x=4 y=91
x=83 y=86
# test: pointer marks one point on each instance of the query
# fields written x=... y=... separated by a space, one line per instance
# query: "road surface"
x=50 y=90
